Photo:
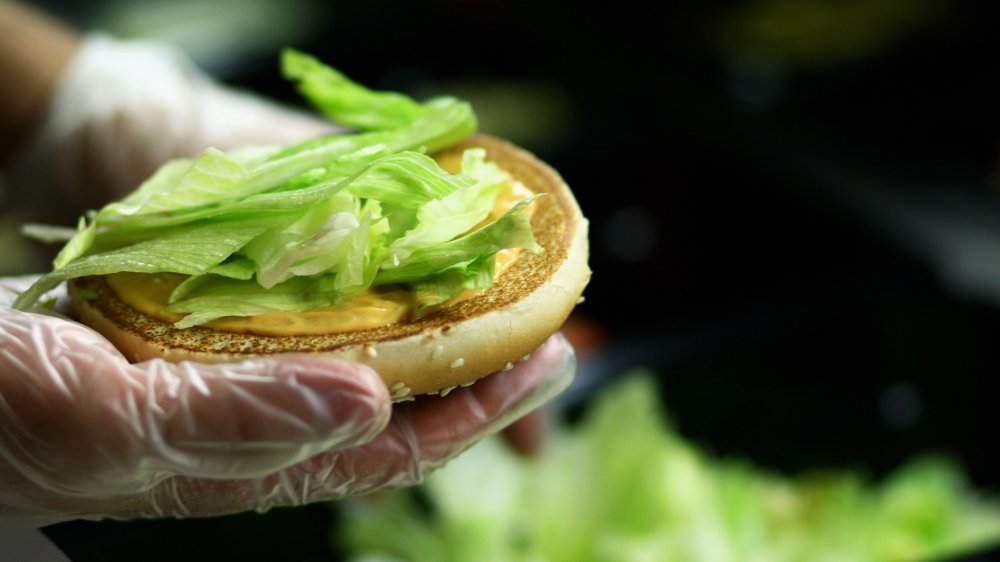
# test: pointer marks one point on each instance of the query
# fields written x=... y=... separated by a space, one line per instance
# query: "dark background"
x=794 y=204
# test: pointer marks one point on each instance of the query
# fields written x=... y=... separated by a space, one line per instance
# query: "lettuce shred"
x=288 y=228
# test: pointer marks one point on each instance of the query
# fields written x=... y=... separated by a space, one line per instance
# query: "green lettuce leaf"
x=345 y=101
x=78 y=244
x=320 y=228
x=235 y=297
x=623 y=486
x=270 y=228
x=355 y=262
x=192 y=251
x=213 y=176
x=450 y=284
x=407 y=179
x=442 y=219
x=239 y=268
x=511 y=230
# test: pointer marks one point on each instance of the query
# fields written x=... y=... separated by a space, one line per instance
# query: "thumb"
x=248 y=419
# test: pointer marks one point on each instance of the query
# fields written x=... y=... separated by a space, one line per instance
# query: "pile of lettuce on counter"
x=624 y=487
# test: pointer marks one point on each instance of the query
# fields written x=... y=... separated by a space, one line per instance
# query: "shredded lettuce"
x=346 y=102
x=623 y=486
x=272 y=228
x=191 y=251
x=456 y=212
x=511 y=230
x=78 y=244
x=211 y=177
x=225 y=296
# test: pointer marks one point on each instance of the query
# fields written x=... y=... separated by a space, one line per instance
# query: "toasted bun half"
x=452 y=346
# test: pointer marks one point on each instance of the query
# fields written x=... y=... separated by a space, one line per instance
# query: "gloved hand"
x=123 y=108
x=85 y=434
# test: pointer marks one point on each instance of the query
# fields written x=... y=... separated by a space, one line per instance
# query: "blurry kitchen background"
x=794 y=204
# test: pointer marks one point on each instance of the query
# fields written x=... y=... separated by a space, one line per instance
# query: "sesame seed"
x=400 y=391
x=508 y=366
x=457 y=363
x=445 y=391
x=371 y=351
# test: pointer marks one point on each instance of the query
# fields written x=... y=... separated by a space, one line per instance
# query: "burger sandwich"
x=411 y=244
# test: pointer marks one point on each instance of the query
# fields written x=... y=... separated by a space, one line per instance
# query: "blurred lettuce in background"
x=622 y=485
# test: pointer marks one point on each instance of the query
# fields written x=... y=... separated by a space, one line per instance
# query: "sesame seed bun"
x=451 y=346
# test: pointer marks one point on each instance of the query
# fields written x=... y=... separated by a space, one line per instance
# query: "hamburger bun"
x=450 y=346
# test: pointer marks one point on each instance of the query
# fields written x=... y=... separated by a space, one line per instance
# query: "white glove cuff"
x=118 y=108
x=123 y=108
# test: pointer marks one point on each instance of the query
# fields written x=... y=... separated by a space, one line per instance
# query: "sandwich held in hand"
x=432 y=254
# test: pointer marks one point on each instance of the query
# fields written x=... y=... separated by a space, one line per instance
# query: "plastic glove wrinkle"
x=415 y=442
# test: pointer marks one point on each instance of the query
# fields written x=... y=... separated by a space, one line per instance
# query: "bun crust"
x=452 y=346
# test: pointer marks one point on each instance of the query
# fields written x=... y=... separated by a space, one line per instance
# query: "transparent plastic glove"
x=123 y=108
x=85 y=434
